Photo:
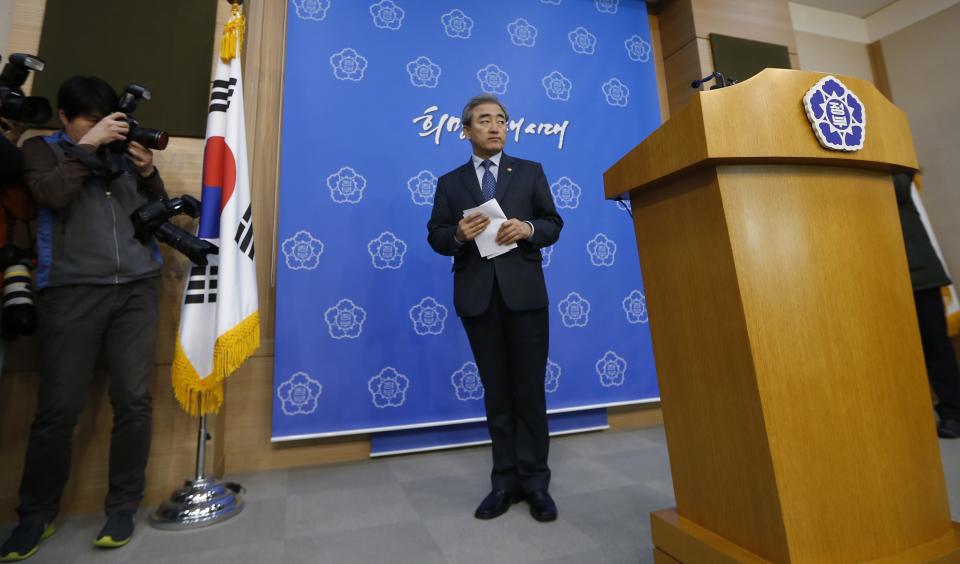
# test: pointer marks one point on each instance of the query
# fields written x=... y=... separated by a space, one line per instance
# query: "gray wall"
x=827 y=54
x=924 y=73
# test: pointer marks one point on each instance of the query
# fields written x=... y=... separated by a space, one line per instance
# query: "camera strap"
x=99 y=167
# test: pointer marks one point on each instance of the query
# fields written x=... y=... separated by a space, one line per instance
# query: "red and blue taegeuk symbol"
x=219 y=182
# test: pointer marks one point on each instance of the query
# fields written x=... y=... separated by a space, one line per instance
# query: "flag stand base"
x=199 y=503
x=202 y=501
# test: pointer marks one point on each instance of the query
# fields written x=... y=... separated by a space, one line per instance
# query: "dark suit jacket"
x=926 y=270
x=524 y=194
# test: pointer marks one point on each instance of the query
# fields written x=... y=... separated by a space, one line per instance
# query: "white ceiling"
x=858 y=8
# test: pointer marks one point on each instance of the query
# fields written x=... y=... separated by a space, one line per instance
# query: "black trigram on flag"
x=244 y=236
x=202 y=285
x=221 y=94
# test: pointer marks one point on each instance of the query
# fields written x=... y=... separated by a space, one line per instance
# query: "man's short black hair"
x=86 y=96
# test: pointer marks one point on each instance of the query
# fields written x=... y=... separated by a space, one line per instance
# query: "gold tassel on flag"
x=232 y=40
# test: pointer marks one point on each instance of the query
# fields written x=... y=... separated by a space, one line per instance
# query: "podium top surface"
x=762 y=120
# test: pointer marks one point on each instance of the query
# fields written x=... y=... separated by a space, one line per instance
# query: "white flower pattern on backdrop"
x=456 y=24
x=635 y=306
x=302 y=251
x=493 y=80
x=566 y=193
x=574 y=310
x=387 y=251
x=346 y=186
x=607 y=6
x=552 y=379
x=582 y=41
x=428 y=317
x=387 y=15
x=348 y=65
x=299 y=394
x=557 y=86
x=522 y=33
x=637 y=49
x=388 y=388
x=423 y=72
x=602 y=250
x=612 y=369
x=311 y=9
x=616 y=92
x=423 y=187
x=466 y=382
x=345 y=320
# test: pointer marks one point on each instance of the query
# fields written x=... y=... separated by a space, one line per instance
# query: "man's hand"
x=109 y=129
x=513 y=230
x=141 y=157
x=469 y=227
x=12 y=130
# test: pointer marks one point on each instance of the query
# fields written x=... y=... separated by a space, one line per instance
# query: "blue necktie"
x=489 y=185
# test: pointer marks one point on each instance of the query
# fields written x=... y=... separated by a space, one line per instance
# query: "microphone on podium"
x=721 y=81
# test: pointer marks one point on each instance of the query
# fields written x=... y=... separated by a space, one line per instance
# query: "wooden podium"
x=798 y=416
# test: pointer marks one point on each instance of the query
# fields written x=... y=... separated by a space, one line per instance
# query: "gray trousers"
x=77 y=323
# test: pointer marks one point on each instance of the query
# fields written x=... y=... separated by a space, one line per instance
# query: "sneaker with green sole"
x=117 y=531
x=24 y=540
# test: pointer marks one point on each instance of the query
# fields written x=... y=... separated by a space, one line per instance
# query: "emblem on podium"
x=837 y=115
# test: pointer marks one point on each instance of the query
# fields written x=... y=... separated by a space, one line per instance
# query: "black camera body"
x=14 y=105
x=153 y=220
x=148 y=137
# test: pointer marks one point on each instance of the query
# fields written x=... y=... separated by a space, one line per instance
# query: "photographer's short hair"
x=85 y=96
x=467 y=117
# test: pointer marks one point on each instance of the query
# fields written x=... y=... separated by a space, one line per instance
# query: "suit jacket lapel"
x=468 y=177
x=504 y=175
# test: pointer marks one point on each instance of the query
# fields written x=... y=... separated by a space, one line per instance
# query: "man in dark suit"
x=502 y=301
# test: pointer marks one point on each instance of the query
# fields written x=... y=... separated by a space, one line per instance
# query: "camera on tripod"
x=153 y=220
x=148 y=137
x=13 y=104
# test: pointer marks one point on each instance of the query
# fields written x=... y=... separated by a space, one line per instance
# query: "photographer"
x=16 y=207
x=98 y=292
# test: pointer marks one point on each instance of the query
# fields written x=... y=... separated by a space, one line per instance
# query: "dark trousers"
x=510 y=348
x=938 y=352
x=75 y=323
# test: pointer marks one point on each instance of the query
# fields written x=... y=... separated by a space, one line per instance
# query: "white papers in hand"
x=487 y=240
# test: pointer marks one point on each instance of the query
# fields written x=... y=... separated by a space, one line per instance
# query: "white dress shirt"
x=495 y=171
x=494 y=168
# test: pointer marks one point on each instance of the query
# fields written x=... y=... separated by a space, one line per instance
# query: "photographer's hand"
x=109 y=129
x=12 y=130
x=141 y=157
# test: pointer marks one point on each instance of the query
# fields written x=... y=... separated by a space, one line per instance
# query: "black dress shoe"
x=948 y=429
x=542 y=507
x=496 y=504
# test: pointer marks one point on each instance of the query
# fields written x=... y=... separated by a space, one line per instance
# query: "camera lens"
x=149 y=138
x=31 y=109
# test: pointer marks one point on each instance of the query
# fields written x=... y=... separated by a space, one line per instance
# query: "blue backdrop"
x=366 y=334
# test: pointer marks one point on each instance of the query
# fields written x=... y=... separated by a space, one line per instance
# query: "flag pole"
x=205 y=500
x=201 y=448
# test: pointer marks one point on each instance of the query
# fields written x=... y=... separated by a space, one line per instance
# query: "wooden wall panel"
x=759 y=20
x=686 y=25
x=681 y=68
x=677 y=27
x=658 y=60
